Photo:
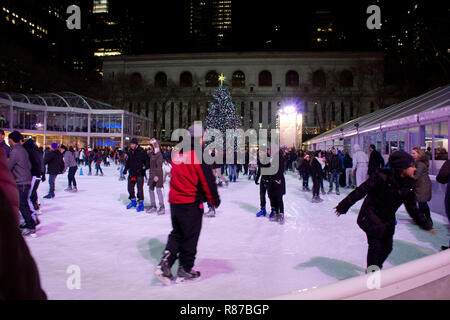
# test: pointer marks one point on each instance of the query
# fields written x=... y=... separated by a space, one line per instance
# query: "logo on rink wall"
x=374 y=280
x=74 y=280
x=74 y=21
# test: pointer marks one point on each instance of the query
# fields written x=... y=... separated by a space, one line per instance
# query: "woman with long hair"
x=422 y=181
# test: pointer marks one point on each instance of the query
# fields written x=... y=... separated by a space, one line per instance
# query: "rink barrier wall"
x=393 y=282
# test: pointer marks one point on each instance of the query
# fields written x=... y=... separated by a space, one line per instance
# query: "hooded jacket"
x=385 y=192
x=375 y=161
x=19 y=165
x=54 y=162
x=423 y=182
x=36 y=158
x=360 y=158
x=155 y=165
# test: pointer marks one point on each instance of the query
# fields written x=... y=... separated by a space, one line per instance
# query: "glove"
x=43 y=177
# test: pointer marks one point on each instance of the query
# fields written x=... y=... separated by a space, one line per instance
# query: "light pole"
x=290 y=125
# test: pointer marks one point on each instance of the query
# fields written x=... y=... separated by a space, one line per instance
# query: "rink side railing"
x=427 y=272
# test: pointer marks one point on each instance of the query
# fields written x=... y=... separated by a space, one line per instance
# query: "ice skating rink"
x=240 y=256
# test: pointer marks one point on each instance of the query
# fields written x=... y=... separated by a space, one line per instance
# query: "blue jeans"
x=24 y=206
x=51 y=183
x=232 y=171
x=334 y=178
x=122 y=167
x=98 y=167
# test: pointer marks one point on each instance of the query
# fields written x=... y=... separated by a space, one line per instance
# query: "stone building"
x=328 y=88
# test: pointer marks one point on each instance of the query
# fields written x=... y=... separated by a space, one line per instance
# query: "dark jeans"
x=71 y=176
x=305 y=179
x=89 y=163
x=232 y=171
x=33 y=192
x=262 y=192
x=245 y=169
x=24 y=207
x=425 y=209
x=316 y=187
x=140 y=187
x=183 y=239
x=276 y=197
x=334 y=178
x=51 y=183
x=98 y=167
x=379 y=250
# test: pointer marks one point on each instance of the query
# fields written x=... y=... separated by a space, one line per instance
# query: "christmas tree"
x=222 y=112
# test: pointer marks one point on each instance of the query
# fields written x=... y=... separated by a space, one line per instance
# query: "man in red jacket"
x=191 y=184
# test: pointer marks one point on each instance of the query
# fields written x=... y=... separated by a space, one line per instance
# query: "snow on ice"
x=116 y=251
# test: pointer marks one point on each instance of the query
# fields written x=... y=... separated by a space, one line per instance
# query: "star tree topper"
x=221 y=79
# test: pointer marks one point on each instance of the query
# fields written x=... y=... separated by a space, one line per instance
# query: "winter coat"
x=69 y=160
x=423 y=182
x=192 y=181
x=137 y=162
x=36 y=158
x=348 y=162
x=264 y=178
x=8 y=184
x=385 y=192
x=375 y=161
x=316 y=169
x=156 y=162
x=305 y=167
x=19 y=276
x=444 y=178
x=6 y=148
x=19 y=165
x=277 y=183
x=54 y=162
x=335 y=163
x=360 y=158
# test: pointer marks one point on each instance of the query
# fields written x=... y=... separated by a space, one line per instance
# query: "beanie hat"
x=134 y=141
x=15 y=136
x=54 y=145
x=63 y=147
x=306 y=156
x=401 y=160
x=196 y=131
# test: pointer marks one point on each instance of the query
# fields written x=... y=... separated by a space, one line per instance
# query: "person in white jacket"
x=360 y=165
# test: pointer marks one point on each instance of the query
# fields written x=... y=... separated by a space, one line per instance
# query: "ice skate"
x=68 y=189
x=280 y=218
x=163 y=272
x=152 y=209
x=319 y=199
x=337 y=193
x=49 y=196
x=31 y=233
x=261 y=213
x=183 y=275
x=272 y=216
x=211 y=213
x=132 y=204
x=140 y=206
x=74 y=189
x=161 y=211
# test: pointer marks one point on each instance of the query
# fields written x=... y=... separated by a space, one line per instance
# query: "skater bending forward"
x=191 y=184
x=386 y=190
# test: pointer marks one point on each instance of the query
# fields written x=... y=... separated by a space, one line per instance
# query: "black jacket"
x=258 y=173
x=316 y=169
x=386 y=192
x=277 y=184
x=137 y=162
x=375 y=161
x=54 y=162
x=348 y=162
x=305 y=167
x=335 y=163
x=36 y=158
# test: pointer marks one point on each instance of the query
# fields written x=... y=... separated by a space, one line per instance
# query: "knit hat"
x=134 y=141
x=54 y=145
x=306 y=156
x=63 y=147
x=15 y=136
x=196 y=131
x=401 y=160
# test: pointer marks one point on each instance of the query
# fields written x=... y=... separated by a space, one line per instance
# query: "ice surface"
x=240 y=256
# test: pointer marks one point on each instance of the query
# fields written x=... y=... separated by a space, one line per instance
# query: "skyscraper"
x=210 y=22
